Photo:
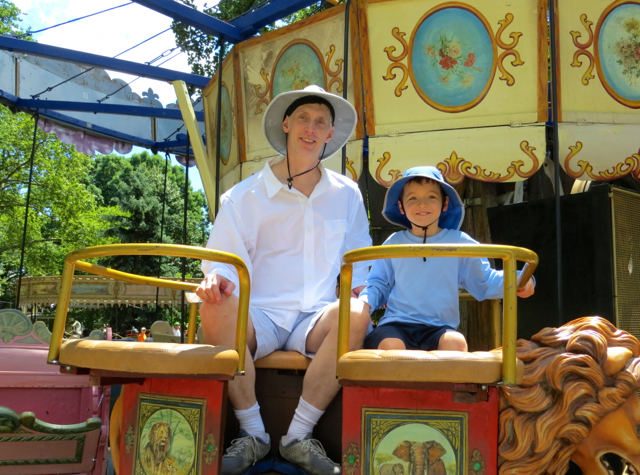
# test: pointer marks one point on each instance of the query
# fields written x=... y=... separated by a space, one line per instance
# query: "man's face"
x=308 y=128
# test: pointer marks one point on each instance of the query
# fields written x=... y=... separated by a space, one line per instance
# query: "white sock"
x=304 y=420
x=251 y=422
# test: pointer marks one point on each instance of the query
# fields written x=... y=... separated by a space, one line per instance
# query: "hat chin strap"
x=290 y=179
x=424 y=228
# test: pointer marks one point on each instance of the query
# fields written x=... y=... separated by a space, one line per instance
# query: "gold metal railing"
x=508 y=254
x=73 y=262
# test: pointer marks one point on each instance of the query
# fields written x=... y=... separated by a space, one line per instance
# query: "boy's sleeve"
x=379 y=284
x=480 y=280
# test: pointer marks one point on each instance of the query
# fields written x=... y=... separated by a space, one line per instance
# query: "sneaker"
x=309 y=455
x=245 y=455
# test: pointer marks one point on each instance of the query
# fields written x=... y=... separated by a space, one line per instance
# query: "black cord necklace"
x=424 y=228
x=290 y=179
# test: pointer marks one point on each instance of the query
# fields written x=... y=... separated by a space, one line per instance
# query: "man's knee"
x=360 y=317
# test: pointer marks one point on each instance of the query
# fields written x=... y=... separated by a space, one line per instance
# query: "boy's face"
x=422 y=203
x=308 y=128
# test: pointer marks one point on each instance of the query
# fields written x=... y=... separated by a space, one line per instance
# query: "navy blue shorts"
x=414 y=335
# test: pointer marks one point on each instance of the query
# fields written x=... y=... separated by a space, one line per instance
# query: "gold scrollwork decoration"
x=352 y=170
x=129 y=439
x=506 y=75
x=509 y=49
x=338 y=63
x=629 y=166
x=334 y=74
x=583 y=51
x=515 y=36
x=587 y=76
x=394 y=174
x=262 y=99
x=576 y=34
x=351 y=459
x=477 y=464
x=210 y=448
x=398 y=35
x=402 y=85
x=395 y=61
x=455 y=168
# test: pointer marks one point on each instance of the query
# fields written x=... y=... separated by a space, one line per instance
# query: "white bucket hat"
x=344 y=122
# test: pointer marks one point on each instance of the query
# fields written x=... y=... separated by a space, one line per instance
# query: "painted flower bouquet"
x=627 y=50
x=447 y=55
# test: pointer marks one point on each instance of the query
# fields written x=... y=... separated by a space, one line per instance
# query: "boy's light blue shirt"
x=427 y=292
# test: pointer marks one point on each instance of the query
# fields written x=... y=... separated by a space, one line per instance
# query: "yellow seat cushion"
x=284 y=360
x=150 y=358
x=480 y=367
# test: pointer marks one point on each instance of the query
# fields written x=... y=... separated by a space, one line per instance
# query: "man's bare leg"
x=219 y=323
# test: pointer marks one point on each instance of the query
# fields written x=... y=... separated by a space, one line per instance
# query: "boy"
x=422 y=294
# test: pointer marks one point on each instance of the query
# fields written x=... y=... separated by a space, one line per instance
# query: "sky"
x=109 y=34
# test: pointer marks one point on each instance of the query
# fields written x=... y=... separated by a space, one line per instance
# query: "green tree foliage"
x=10 y=19
x=202 y=49
x=63 y=213
x=136 y=186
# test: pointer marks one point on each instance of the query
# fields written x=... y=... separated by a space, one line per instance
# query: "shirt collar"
x=273 y=185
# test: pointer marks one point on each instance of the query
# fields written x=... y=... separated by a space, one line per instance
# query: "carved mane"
x=574 y=376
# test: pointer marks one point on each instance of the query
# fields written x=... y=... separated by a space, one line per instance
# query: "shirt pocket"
x=334 y=232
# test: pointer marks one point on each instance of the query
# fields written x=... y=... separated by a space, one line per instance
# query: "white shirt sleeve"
x=357 y=237
x=229 y=235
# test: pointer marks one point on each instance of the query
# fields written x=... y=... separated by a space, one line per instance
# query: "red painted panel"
x=482 y=417
x=215 y=394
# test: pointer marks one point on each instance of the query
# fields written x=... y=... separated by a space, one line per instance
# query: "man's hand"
x=213 y=287
x=355 y=292
x=527 y=290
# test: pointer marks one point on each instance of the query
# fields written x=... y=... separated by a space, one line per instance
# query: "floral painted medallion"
x=298 y=66
x=452 y=57
x=618 y=52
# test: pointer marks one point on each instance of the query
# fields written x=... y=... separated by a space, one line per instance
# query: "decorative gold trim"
x=394 y=174
x=629 y=166
x=261 y=95
x=515 y=36
x=349 y=166
x=477 y=464
x=351 y=459
x=402 y=84
x=576 y=34
x=455 y=169
x=210 y=448
x=587 y=76
x=334 y=74
x=506 y=76
x=398 y=35
x=129 y=437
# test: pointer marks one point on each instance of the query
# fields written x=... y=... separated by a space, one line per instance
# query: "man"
x=290 y=223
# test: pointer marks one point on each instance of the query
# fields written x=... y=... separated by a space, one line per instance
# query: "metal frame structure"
x=239 y=29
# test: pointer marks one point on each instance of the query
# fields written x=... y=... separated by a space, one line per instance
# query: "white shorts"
x=270 y=337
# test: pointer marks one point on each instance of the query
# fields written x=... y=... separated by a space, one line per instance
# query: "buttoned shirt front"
x=291 y=244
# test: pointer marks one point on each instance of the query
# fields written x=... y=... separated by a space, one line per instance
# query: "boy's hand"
x=213 y=287
x=527 y=290
x=356 y=292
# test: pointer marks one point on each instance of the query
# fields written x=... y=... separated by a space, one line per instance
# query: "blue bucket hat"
x=449 y=219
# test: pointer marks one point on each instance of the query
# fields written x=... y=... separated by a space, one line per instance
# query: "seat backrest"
x=161 y=327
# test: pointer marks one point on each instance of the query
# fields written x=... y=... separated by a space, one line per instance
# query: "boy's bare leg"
x=392 y=344
x=219 y=324
x=320 y=384
x=452 y=341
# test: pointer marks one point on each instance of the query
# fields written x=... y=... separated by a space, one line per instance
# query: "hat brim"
x=450 y=219
x=344 y=123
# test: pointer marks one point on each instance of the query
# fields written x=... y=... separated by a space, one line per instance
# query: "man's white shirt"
x=291 y=244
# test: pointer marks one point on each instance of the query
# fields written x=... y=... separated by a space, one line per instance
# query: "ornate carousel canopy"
x=92 y=291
